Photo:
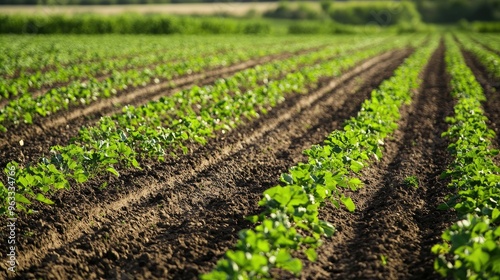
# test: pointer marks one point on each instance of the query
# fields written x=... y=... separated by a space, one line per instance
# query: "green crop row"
x=190 y=115
x=471 y=246
x=29 y=54
x=492 y=42
x=29 y=82
x=176 y=52
x=23 y=55
x=489 y=59
x=28 y=107
x=290 y=220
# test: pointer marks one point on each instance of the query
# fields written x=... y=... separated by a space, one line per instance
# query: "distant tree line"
x=128 y=24
x=429 y=11
x=446 y=11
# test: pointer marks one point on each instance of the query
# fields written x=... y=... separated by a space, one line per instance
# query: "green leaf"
x=335 y=203
x=356 y=166
x=443 y=206
x=383 y=260
x=311 y=254
x=253 y=218
x=479 y=259
x=135 y=163
x=22 y=199
x=23 y=182
x=80 y=177
x=349 y=204
x=354 y=184
x=286 y=178
x=237 y=256
x=113 y=171
x=20 y=207
x=27 y=118
x=495 y=214
x=285 y=261
x=328 y=228
x=40 y=197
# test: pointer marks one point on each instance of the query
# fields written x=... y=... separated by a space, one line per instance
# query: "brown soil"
x=393 y=219
x=176 y=219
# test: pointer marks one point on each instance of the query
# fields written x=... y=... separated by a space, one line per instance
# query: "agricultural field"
x=243 y=157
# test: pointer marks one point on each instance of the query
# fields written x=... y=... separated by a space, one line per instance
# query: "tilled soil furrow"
x=58 y=129
x=185 y=214
x=390 y=234
x=491 y=88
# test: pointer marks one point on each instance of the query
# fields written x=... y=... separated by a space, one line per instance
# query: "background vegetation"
x=431 y=11
x=128 y=24
x=312 y=17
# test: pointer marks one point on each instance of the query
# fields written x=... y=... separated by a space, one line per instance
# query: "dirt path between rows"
x=176 y=219
x=392 y=219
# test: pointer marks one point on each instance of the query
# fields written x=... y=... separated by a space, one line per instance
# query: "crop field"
x=241 y=157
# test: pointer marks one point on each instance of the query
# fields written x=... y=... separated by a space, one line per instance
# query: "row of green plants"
x=23 y=54
x=177 y=50
x=471 y=246
x=29 y=82
x=189 y=116
x=28 y=107
x=491 y=42
x=290 y=222
x=489 y=59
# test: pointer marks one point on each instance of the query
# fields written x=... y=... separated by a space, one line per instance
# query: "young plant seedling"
x=383 y=260
x=411 y=181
